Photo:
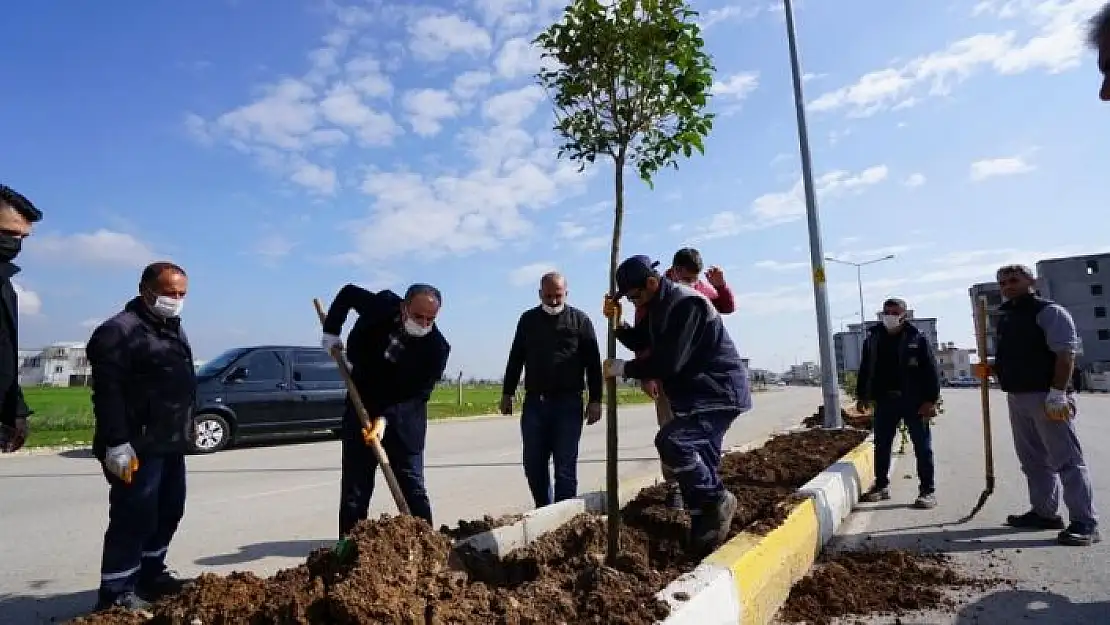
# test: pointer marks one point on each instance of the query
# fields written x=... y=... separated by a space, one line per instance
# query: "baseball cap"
x=633 y=273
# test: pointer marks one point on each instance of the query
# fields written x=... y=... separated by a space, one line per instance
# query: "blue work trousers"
x=142 y=518
x=890 y=411
x=691 y=446
x=551 y=428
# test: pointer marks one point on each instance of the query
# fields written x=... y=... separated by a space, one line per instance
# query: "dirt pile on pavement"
x=850 y=417
x=465 y=529
x=876 y=582
x=400 y=572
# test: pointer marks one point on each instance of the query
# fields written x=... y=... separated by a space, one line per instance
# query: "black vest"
x=1023 y=361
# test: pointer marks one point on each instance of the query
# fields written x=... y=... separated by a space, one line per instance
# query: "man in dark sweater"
x=682 y=342
x=1036 y=344
x=397 y=356
x=556 y=345
x=899 y=377
x=17 y=218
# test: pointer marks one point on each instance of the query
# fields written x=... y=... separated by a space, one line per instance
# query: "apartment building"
x=954 y=362
x=60 y=364
x=1079 y=284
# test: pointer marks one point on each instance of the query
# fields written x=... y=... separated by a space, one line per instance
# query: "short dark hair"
x=689 y=259
x=20 y=204
x=1098 y=29
x=423 y=289
x=154 y=270
x=895 y=301
x=1021 y=270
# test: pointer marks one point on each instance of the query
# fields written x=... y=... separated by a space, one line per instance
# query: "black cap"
x=633 y=273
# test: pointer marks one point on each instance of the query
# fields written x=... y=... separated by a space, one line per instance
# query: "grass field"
x=63 y=416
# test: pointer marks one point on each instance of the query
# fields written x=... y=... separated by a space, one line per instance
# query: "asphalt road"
x=263 y=508
x=1056 y=585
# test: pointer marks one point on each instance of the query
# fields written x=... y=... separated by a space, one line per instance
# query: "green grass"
x=63 y=416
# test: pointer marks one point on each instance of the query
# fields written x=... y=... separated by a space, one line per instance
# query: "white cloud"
x=995 y=167
x=91 y=323
x=29 y=302
x=737 y=86
x=436 y=37
x=774 y=265
x=272 y=248
x=103 y=247
x=427 y=108
x=570 y=230
x=344 y=106
x=915 y=180
x=315 y=178
x=469 y=84
x=1056 y=46
x=731 y=12
x=518 y=57
x=530 y=274
x=513 y=107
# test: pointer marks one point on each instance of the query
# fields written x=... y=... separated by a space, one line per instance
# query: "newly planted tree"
x=629 y=80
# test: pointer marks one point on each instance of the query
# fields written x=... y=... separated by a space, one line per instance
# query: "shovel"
x=985 y=399
x=343 y=547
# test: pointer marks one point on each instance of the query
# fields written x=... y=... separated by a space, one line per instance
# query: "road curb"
x=748 y=578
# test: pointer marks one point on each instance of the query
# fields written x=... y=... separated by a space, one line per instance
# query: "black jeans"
x=550 y=429
x=890 y=411
x=142 y=519
x=403 y=443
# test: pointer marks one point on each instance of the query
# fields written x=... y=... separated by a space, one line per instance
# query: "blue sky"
x=281 y=149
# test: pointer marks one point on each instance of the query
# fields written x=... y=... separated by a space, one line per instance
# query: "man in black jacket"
x=681 y=341
x=397 y=357
x=17 y=215
x=898 y=375
x=143 y=393
x=557 y=345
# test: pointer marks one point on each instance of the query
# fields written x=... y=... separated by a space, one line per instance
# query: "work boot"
x=1079 y=535
x=875 y=495
x=710 y=528
x=925 y=501
x=1033 y=521
x=674 y=497
x=129 y=601
x=161 y=585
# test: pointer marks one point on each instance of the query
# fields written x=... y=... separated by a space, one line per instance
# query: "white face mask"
x=891 y=322
x=415 y=329
x=553 y=310
x=167 y=307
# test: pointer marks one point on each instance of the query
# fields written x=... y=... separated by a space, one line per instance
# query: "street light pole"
x=859 y=279
x=829 y=388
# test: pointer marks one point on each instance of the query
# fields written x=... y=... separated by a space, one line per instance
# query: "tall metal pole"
x=829 y=388
x=859 y=284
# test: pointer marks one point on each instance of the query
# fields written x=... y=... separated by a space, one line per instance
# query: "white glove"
x=330 y=342
x=121 y=461
x=613 y=368
x=1056 y=405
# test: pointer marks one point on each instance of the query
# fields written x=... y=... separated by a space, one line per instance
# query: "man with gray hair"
x=1035 y=348
x=557 y=346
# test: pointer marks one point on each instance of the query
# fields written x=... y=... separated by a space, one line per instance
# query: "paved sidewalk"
x=1056 y=585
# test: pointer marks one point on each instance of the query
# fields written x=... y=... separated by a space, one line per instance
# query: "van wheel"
x=211 y=433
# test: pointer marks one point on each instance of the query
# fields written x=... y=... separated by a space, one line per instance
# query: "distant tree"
x=629 y=80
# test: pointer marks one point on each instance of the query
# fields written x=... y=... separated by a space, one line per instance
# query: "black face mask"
x=10 y=247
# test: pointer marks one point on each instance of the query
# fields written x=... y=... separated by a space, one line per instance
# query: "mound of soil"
x=850 y=417
x=466 y=529
x=876 y=582
x=405 y=572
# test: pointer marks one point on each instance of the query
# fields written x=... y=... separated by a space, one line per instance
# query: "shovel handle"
x=364 y=418
x=984 y=389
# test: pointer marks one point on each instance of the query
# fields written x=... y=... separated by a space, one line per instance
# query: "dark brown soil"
x=400 y=572
x=875 y=582
x=466 y=529
x=850 y=417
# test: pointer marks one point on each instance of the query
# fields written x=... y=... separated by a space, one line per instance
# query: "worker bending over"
x=397 y=356
x=699 y=369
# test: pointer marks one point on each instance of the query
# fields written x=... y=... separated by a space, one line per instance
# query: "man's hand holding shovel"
x=375 y=432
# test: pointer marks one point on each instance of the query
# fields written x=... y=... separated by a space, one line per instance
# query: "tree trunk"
x=612 y=478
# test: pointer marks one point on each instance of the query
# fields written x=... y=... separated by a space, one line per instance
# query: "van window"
x=315 y=366
x=263 y=366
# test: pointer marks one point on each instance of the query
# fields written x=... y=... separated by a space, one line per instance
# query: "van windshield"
x=214 y=367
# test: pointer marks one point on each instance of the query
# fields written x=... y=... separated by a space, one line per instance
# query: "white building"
x=805 y=373
x=955 y=362
x=61 y=364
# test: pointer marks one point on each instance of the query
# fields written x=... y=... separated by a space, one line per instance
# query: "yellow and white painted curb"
x=748 y=578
